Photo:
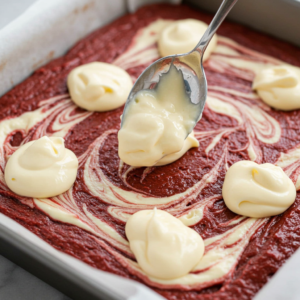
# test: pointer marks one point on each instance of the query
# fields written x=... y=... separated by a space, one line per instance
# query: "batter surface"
x=88 y=221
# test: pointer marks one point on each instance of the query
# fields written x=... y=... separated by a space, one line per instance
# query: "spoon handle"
x=222 y=12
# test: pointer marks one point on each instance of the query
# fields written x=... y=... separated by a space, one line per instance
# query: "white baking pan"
x=47 y=30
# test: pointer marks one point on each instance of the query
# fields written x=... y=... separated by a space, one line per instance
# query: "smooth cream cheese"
x=279 y=86
x=182 y=36
x=257 y=191
x=99 y=86
x=42 y=168
x=157 y=123
x=163 y=246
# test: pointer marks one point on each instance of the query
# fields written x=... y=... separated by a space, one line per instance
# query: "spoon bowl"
x=190 y=64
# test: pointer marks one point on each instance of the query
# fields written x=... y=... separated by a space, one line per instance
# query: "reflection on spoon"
x=158 y=123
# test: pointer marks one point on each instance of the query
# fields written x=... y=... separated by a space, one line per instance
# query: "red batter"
x=272 y=243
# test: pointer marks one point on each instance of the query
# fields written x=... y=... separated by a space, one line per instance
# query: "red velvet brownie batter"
x=235 y=125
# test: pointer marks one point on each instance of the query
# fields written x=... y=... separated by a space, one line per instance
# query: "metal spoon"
x=190 y=65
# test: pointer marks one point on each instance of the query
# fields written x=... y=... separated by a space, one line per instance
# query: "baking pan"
x=279 y=18
x=62 y=27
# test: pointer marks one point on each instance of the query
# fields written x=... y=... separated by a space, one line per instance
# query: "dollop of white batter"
x=42 y=168
x=279 y=86
x=163 y=246
x=182 y=36
x=257 y=191
x=99 y=86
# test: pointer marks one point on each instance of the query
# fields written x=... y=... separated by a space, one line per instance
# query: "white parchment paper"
x=47 y=30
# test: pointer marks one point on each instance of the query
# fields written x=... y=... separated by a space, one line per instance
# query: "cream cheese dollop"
x=163 y=246
x=182 y=36
x=99 y=86
x=41 y=169
x=257 y=191
x=279 y=86
x=157 y=123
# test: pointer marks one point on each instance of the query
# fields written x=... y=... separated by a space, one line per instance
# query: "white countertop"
x=17 y=284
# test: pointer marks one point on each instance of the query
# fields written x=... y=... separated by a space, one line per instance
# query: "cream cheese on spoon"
x=155 y=131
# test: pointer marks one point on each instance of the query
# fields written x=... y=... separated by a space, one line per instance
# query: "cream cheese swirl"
x=42 y=168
